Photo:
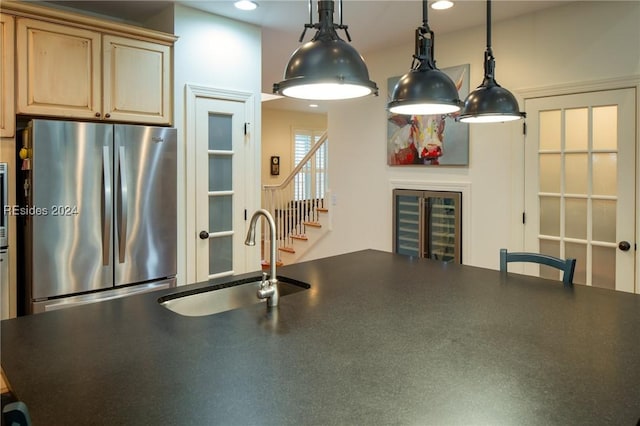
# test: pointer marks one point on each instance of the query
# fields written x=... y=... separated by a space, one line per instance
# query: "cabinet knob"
x=203 y=235
x=97 y=114
x=107 y=115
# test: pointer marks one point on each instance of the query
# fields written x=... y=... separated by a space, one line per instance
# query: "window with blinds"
x=310 y=183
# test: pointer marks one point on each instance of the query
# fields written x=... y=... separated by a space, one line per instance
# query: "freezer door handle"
x=123 y=210
x=107 y=206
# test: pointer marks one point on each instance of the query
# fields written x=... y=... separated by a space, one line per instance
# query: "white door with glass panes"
x=222 y=170
x=580 y=180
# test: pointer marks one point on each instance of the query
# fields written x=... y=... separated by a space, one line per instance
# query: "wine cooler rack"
x=428 y=224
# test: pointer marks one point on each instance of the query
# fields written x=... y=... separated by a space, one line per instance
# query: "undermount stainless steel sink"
x=224 y=297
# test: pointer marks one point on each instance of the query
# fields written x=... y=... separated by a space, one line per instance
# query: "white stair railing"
x=292 y=209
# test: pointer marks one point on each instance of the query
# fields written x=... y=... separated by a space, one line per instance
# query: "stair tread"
x=295 y=250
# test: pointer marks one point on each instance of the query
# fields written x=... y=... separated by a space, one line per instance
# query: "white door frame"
x=252 y=197
x=518 y=153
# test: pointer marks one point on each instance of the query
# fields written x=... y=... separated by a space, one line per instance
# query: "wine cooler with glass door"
x=428 y=224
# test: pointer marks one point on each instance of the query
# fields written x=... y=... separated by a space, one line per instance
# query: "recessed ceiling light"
x=313 y=105
x=246 y=5
x=442 y=4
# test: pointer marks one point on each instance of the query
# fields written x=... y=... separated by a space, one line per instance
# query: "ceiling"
x=373 y=24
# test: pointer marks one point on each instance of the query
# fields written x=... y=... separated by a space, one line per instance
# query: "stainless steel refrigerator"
x=99 y=219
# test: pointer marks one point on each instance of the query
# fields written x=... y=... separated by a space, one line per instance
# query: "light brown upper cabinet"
x=58 y=70
x=72 y=72
x=7 y=120
x=136 y=80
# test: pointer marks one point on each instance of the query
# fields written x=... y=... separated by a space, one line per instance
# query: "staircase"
x=299 y=208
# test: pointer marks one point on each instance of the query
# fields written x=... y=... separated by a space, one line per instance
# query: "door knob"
x=624 y=245
x=203 y=235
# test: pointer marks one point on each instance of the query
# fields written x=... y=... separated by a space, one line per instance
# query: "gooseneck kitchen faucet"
x=268 y=288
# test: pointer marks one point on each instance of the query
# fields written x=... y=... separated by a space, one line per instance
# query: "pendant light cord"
x=489 y=25
x=489 y=60
x=425 y=15
x=424 y=46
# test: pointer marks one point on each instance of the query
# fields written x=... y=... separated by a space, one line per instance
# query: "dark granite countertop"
x=377 y=339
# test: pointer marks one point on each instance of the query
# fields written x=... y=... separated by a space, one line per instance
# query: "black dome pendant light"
x=490 y=102
x=425 y=90
x=326 y=67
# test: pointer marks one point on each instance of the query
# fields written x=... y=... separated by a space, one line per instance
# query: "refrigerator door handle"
x=123 y=210
x=108 y=206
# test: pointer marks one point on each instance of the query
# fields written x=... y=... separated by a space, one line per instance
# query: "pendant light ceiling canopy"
x=326 y=67
x=424 y=90
x=490 y=102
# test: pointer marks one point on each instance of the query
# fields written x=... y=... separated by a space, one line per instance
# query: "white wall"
x=576 y=42
x=220 y=53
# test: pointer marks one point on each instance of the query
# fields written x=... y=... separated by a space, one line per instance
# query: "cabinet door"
x=7 y=119
x=442 y=226
x=407 y=223
x=58 y=70
x=137 y=80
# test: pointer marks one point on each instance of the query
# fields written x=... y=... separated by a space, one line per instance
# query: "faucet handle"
x=266 y=290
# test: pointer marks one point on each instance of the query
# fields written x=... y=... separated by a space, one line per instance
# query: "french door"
x=221 y=186
x=580 y=183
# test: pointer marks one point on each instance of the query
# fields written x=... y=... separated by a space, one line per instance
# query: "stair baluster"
x=293 y=213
